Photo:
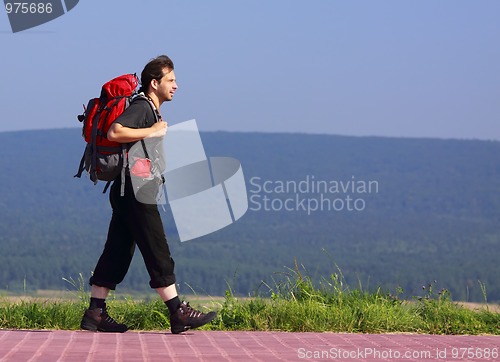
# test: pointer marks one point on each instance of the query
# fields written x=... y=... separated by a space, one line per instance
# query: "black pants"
x=133 y=223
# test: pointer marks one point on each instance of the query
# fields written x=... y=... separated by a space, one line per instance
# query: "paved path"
x=74 y=346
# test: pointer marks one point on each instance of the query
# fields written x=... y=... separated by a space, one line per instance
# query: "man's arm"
x=122 y=134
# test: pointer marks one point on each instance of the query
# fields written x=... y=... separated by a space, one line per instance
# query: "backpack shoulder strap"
x=142 y=96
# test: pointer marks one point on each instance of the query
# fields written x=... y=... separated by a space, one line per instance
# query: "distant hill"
x=390 y=212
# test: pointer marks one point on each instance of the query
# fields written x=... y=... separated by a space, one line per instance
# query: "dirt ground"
x=495 y=308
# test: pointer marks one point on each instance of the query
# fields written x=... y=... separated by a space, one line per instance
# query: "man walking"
x=136 y=223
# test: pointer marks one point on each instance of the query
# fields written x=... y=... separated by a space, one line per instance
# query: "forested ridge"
x=432 y=214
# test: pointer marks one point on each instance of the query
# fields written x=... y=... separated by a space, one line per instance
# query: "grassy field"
x=295 y=305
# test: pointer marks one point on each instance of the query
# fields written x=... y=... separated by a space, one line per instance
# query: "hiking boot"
x=186 y=318
x=97 y=319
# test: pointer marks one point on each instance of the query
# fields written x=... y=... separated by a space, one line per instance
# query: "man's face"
x=167 y=86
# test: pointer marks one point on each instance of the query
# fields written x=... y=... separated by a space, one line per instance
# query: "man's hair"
x=154 y=70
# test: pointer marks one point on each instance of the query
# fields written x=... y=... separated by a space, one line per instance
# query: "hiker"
x=134 y=222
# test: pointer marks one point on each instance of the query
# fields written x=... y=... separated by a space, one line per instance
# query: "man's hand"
x=159 y=129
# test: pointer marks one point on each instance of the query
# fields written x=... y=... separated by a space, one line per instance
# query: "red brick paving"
x=74 y=346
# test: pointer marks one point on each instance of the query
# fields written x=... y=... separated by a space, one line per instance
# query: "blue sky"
x=395 y=68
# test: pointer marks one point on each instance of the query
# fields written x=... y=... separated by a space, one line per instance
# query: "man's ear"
x=154 y=84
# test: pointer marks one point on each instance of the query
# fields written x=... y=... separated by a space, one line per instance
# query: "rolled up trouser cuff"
x=162 y=282
x=100 y=283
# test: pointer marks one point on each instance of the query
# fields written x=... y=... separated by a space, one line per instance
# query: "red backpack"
x=104 y=159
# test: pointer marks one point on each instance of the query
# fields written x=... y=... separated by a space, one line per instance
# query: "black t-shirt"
x=139 y=114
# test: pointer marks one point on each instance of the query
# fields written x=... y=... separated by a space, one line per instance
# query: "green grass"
x=295 y=305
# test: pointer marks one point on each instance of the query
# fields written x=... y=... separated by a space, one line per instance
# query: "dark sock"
x=97 y=303
x=173 y=304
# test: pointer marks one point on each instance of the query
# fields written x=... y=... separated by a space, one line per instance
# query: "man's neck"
x=155 y=100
